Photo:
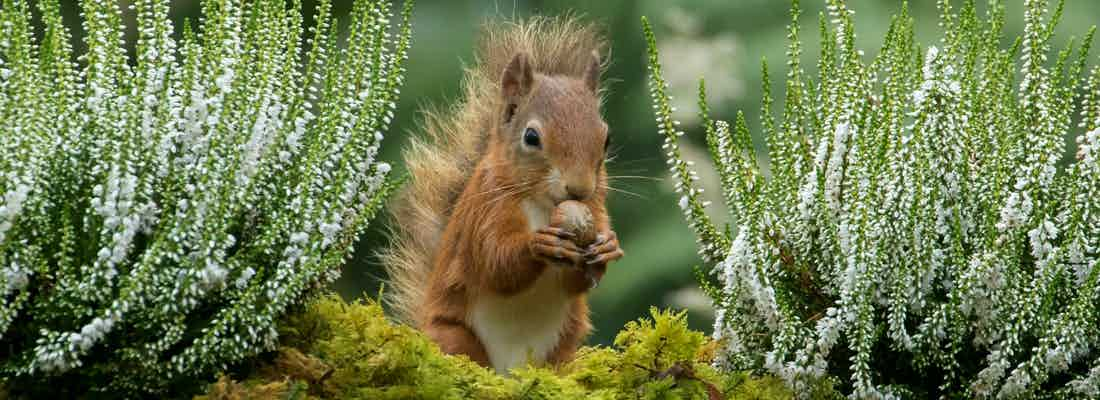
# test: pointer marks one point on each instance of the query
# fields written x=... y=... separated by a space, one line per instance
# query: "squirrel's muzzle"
x=579 y=186
x=578 y=193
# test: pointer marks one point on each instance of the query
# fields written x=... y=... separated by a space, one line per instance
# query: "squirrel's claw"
x=606 y=257
x=557 y=254
x=555 y=231
x=553 y=244
x=606 y=249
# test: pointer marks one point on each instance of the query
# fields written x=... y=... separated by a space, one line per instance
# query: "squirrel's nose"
x=578 y=192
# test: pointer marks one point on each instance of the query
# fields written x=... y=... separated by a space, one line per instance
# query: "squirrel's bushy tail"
x=450 y=141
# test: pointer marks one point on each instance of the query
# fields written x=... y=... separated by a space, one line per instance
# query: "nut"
x=576 y=218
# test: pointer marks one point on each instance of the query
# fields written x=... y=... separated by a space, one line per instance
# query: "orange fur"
x=466 y=236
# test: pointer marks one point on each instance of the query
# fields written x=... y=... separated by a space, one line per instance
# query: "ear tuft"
x=592 y=73
x=517 y=79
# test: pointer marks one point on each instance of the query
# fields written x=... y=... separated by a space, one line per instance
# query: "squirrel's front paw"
x=556 y=245
x=606 y=249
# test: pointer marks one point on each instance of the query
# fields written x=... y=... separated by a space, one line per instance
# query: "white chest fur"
x=528 y=325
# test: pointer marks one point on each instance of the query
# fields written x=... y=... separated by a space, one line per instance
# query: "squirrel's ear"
x=517 y=79
x=592 y=74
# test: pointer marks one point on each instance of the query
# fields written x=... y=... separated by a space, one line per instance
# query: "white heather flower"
x=930 y=59
x=1016 y=211
x=267 y=122
x=920 y=95
x=828 y=331
x=224 y=80
x=719 y=322
x=1015 y=385
x=299 y=238
x=15 y=278
x=834 y=173
x=1088 y=386
x=213 y=275
x=12 y=207
x=741 y=267
x=1075 y=258
x=328 y=232
x=1041 y=239
x=1056 y=360
x=807 y=193
x=246 y=275
x=988 y=377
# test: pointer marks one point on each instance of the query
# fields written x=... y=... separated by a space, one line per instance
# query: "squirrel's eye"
x=531 y=138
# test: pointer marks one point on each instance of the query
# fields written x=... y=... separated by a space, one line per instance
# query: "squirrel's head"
x=552 y=130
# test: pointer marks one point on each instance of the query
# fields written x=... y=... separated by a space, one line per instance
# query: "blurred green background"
x=723 y=40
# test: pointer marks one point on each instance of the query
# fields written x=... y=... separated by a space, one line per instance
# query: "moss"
x=228 y=389
x=339 y=350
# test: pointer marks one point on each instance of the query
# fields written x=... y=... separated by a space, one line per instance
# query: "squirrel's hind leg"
x=454 y=338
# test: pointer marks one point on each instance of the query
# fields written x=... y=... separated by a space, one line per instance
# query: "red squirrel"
x=476 y=264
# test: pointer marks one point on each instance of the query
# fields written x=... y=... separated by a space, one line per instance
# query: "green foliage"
x=158 y=215
x=918 y=232
x=350 y=350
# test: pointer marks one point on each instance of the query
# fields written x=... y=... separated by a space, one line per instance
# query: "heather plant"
x=160 y=212
x=921 y=229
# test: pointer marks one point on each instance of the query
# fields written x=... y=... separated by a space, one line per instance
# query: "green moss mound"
x=340 y=350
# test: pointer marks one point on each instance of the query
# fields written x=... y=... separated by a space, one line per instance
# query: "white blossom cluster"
x=159 y=214
x=921 y=232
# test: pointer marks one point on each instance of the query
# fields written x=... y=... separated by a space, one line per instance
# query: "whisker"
x=504 y=188
x=494 y=165
x=626 y=192
x=498 y=197
x=635 y=161
x=623 y=169
x=518 y=189
x=505 y=195
x=495 y=190
x=634 y=177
